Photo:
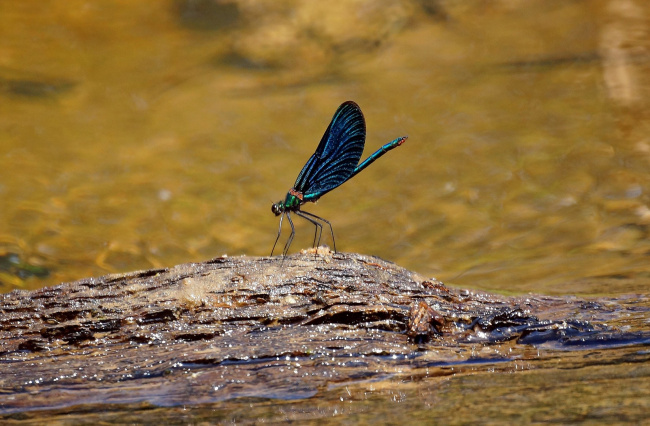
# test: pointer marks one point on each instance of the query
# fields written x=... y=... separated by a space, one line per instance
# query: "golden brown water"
x=155 y=133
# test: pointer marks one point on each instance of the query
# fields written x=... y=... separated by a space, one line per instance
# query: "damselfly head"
x=277 y=208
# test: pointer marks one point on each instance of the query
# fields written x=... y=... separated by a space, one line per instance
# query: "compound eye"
x=275 y=208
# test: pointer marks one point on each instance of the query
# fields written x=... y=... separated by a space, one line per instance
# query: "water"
x=143 y=135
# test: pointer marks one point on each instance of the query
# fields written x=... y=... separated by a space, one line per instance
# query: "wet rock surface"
x=275 y=328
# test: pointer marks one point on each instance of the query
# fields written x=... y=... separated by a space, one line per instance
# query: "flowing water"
x=146 y=134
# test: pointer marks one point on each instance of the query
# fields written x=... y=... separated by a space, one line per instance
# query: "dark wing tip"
x=350 y=103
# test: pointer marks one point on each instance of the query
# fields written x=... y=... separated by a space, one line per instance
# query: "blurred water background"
x=136 y=135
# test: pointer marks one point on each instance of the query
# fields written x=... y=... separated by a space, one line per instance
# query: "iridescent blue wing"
x=337 y=155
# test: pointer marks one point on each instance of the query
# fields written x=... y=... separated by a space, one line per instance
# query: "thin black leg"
x=279 y=232
x=293 y=233
x=318 y=230
x=324 y=220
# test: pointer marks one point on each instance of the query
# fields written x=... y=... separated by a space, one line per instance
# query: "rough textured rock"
x=266 y=327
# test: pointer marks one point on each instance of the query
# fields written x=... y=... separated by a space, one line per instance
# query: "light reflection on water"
x=139 y=136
